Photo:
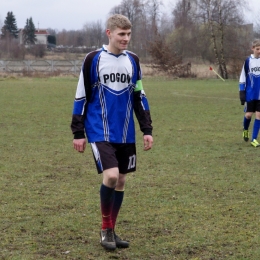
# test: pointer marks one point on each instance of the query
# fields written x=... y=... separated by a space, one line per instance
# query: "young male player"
x=249 y=91
x=108 y=91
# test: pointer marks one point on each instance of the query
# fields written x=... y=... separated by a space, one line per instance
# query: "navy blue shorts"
x=112 y=155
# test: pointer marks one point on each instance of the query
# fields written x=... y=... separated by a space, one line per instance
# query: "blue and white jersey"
x=108 y=90
x=250 y=78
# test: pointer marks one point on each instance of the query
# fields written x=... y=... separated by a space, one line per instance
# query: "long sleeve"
x=142 y=111
x=78 y=115
x=82 y=97
x=243 y=75
x=242 y=79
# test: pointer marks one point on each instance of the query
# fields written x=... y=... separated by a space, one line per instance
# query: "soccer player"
x=249 y=92
x=108 y=91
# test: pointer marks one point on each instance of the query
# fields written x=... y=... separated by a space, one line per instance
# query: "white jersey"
x=108 y=91
x=250 y=78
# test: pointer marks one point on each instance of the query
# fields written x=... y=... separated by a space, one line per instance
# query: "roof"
x=41 y=31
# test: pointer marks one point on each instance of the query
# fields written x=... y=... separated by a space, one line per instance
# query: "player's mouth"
x=124 y=44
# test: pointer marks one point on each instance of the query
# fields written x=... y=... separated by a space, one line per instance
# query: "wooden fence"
x=47 y=66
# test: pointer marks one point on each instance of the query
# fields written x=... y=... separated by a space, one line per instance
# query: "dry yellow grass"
x=200 y=70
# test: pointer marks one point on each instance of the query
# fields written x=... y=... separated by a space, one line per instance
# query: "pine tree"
x=10 y=27
x=29 y=36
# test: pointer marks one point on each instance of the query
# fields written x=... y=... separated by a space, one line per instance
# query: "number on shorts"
x=131 y=162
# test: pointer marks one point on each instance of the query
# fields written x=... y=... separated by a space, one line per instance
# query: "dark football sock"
x=246 y=123
x=118 y=199
x=256 y=129
x=106 y=203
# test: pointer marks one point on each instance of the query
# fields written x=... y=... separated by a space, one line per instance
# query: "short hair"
x=256 y=43
x=118 y=21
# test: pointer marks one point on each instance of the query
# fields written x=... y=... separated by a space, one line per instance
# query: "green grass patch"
x=195 y=195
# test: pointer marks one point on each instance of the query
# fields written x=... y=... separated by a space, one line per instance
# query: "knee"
x=248 y=115
x=257 y=115
x=110 y=178
x=121 y=182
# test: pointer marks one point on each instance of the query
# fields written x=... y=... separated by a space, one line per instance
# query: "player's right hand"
x=79 y=145
x=242 y=96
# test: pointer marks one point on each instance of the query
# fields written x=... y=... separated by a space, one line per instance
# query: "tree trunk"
x=213 y=36
x=223 y=70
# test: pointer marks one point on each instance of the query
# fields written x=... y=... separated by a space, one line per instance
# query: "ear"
x=108 y=33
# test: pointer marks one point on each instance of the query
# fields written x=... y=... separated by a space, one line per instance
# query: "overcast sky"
x=58 y=14
x=72 y=14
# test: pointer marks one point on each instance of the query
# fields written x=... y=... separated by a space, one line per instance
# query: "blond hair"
x=118 y=21
x=256 y=43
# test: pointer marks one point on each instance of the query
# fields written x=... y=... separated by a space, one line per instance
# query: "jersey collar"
x=104 y=48
x=253 y=56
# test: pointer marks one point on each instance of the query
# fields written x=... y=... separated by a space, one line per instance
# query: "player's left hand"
x=79 y=144
x=148 y=142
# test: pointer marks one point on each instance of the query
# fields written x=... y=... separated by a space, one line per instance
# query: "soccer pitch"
x=195 y=195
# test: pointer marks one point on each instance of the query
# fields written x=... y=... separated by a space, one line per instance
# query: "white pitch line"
x=185 y=95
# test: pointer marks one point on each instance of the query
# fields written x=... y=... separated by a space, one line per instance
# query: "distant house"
x=41 y=36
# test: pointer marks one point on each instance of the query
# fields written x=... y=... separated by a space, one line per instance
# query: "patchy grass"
x=195 y=195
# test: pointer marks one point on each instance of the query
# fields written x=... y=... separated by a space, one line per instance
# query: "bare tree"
x=62 y=37
x=1 y=23
x=94 y=34
x=116 y=10
x=182 y=14
x=185 y=30
x=219 y=15
x=257 y=26
x=165 y=25
x=52 y=31
x=145 y=18
x=134 y=11
x=153 y=10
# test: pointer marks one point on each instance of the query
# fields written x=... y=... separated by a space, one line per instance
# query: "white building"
x=41 y=36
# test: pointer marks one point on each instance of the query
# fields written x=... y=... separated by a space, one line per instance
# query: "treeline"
x=209 y=30
x=10 y=45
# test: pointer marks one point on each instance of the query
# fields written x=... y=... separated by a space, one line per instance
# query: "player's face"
x=256 y=51
x=118 y=40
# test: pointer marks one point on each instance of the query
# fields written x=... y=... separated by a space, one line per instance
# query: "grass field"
x=195 y=195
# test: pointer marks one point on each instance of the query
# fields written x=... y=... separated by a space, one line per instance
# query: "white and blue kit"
x=108 y=91
x=250 y=78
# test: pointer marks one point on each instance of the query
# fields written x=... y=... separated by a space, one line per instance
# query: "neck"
x=114 y=50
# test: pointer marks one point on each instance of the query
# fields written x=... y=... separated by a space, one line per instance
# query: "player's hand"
x=242 y=96
x=79 y=145
x=148 y=142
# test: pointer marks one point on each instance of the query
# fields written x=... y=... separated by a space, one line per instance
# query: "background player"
x=249 y=91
